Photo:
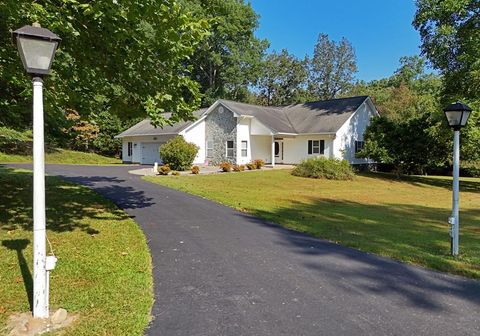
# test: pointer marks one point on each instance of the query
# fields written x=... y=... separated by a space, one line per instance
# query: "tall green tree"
x=229 y=61
x=332 y=67
x=125 y=57
x=283 y=79
x=450 y=33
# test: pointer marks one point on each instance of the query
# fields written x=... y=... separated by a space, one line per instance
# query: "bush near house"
x=251 y=166
x=164 y=170
x=178 y=153
x=195 y=170
x=226 y=166
x=259 y=163
x=238 y=168
x=320 y=167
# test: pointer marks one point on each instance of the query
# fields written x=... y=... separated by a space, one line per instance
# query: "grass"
x=104 y=271
x=64 y=156
x=402 y=219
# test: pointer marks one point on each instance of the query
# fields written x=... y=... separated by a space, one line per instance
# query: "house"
x=240 y=133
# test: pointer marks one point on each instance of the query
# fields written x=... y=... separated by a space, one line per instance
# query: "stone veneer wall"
x=221 y=127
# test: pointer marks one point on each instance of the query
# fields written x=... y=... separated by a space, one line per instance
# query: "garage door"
x=150 y=152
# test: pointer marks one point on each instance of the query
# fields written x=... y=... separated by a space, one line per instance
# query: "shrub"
x=178 y=153
x=164 y=170
x=195 y=170
x=471 y=169
x=226 y=167
x=175 y=173
x=251 y=166
x=238 y=168
x=321 y=167
x=15 y=142
x=259 y=163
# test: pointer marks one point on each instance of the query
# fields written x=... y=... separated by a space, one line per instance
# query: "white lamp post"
x=457 y=116
x=37 y=47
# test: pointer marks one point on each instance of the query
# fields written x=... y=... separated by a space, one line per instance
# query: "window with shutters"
x=316 y=147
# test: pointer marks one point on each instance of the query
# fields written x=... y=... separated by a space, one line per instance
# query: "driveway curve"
x=221 y=272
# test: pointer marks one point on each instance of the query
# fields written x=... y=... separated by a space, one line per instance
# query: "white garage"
x=150 y=152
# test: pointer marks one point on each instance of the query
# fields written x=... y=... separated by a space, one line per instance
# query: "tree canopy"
x=124 y=57
x=332 y=67
x=450 y=33
x=283 y=79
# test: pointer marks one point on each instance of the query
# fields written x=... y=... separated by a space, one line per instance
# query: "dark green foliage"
x=178 y=153
x=228 y=62
x=125 y=57
x=283 y=79
x=411 y=145
x=321 y=167
x=450 y=32
x=109 y=126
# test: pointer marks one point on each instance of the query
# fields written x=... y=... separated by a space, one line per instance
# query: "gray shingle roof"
x=325 y=116
x=145 y=128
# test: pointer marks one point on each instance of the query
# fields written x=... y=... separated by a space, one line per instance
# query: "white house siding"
x=296 y=149
x=196 y=135
x=243 y=134
x=261 y=147
x=125 y=156
x=351 y=131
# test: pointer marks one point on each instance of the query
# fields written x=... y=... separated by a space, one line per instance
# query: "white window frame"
x=244 y=148
x=209 y=149
x=232 y=149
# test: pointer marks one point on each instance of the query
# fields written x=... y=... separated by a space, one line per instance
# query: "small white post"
x=40 y=290
x=456 y=177
x=273 y=151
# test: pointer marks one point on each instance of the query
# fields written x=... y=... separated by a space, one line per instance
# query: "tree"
x=411 y=146
x=125 y=57
x=228 y=62
x=450 y=33
x=332 y=67
x=283 y=79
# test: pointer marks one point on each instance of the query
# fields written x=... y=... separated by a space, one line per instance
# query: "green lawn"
x=104 y=271
x=64 y=156
x=402 y=219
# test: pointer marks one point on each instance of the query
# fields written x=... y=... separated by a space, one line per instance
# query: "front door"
x=278 y=151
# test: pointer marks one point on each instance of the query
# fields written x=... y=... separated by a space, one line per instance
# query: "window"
x=316 y=146
x=230 y=150
x=244 y=148
x=359 y=146
x=129 y=149
x=209 y=148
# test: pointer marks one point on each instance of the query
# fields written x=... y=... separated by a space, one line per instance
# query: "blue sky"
x=380 y=30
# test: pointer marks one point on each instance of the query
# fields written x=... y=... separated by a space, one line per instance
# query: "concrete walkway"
x=221 y=272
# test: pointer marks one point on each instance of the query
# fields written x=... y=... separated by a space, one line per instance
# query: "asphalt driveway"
x=221 y=272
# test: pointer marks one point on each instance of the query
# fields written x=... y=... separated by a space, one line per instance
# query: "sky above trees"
x=380 y=31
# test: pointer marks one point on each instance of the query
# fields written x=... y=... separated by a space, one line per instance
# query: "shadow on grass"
x=67 y=204
x=411 y=233
x=441 y=182
x=19 y=245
